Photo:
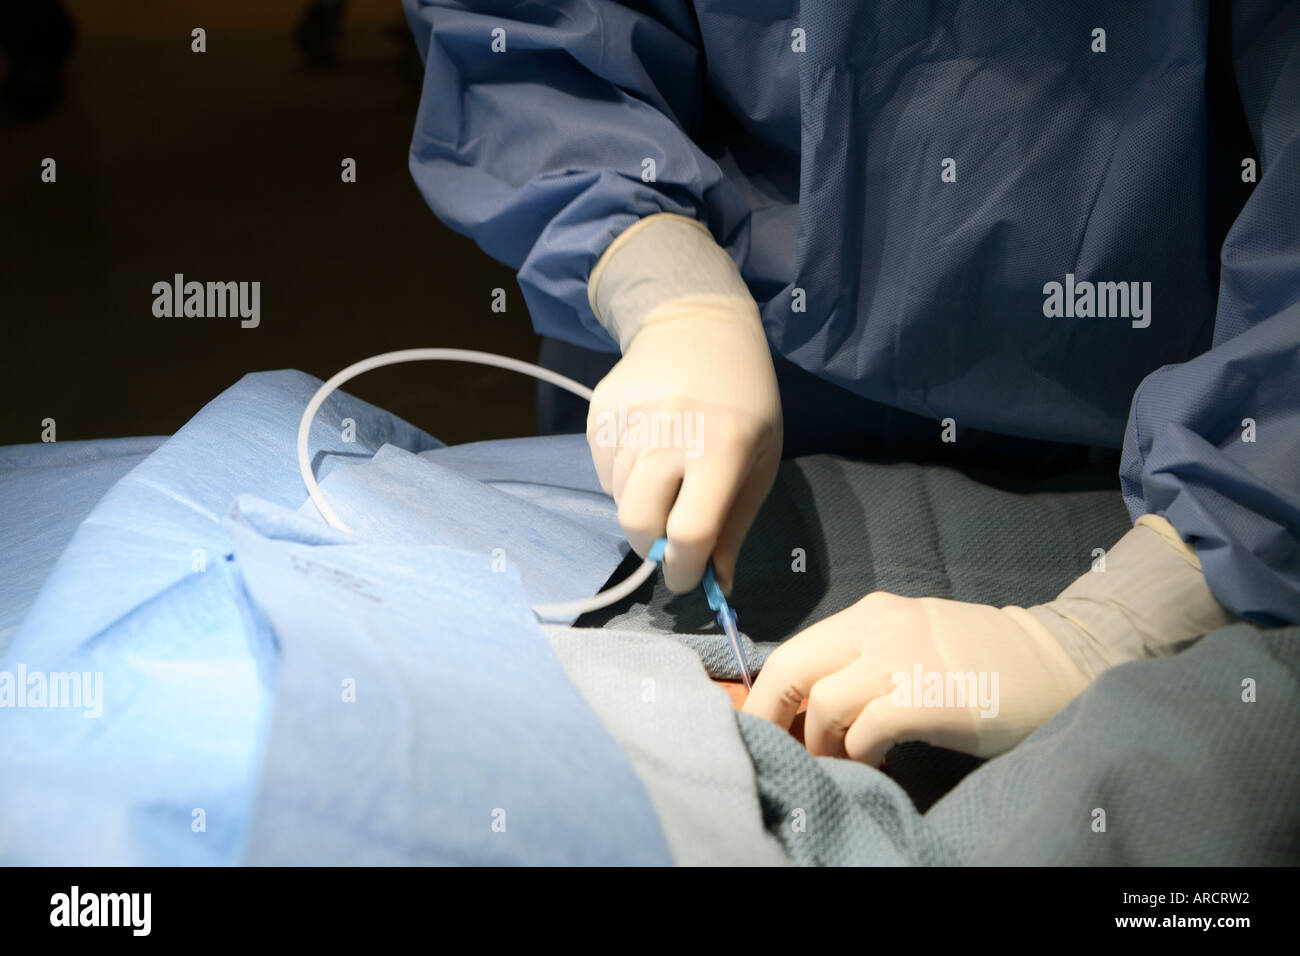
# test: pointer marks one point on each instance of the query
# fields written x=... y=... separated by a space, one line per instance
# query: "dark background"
x=225 y=166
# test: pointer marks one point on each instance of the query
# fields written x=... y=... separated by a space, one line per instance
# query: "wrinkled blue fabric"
x=556 y=473
x=207 y=733
x=818 y=170
x=400 y=498
x=146 y=534
x=46 y=490
x=422 y=716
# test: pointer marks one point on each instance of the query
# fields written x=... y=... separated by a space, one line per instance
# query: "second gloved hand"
x=889 y=669
x=977 y=678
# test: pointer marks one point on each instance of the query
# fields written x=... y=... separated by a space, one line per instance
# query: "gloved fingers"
x=709 y=488
x=740 y=519
x=879 y=727
x=629 y=459
x=836 y=701
x=625 y=460
x=646 y=495
x=788 y=676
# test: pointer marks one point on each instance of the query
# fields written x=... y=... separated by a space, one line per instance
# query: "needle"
x=727 y=620
x=718 y=602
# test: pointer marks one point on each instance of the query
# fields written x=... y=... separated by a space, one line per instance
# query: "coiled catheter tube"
x=545 y=612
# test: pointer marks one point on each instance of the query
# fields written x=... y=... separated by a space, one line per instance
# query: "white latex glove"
x=685 y=431
x=977 y=678
x=889 y=669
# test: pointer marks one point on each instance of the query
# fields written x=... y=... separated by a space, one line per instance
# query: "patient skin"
x=738 y=692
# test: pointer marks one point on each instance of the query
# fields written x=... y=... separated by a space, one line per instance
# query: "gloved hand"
x=977 y=678
x=889 y=669
x=685 y=431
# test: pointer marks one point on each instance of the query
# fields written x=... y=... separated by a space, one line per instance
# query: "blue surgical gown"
x=899 y=183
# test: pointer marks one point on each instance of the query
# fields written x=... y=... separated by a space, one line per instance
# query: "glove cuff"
x=1058 y=680
x=657 y=260
x=1150 y=600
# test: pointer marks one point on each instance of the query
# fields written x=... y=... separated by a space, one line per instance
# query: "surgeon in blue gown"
x=1043 y=233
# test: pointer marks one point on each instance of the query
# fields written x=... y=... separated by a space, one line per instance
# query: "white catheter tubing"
x=543 y=611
